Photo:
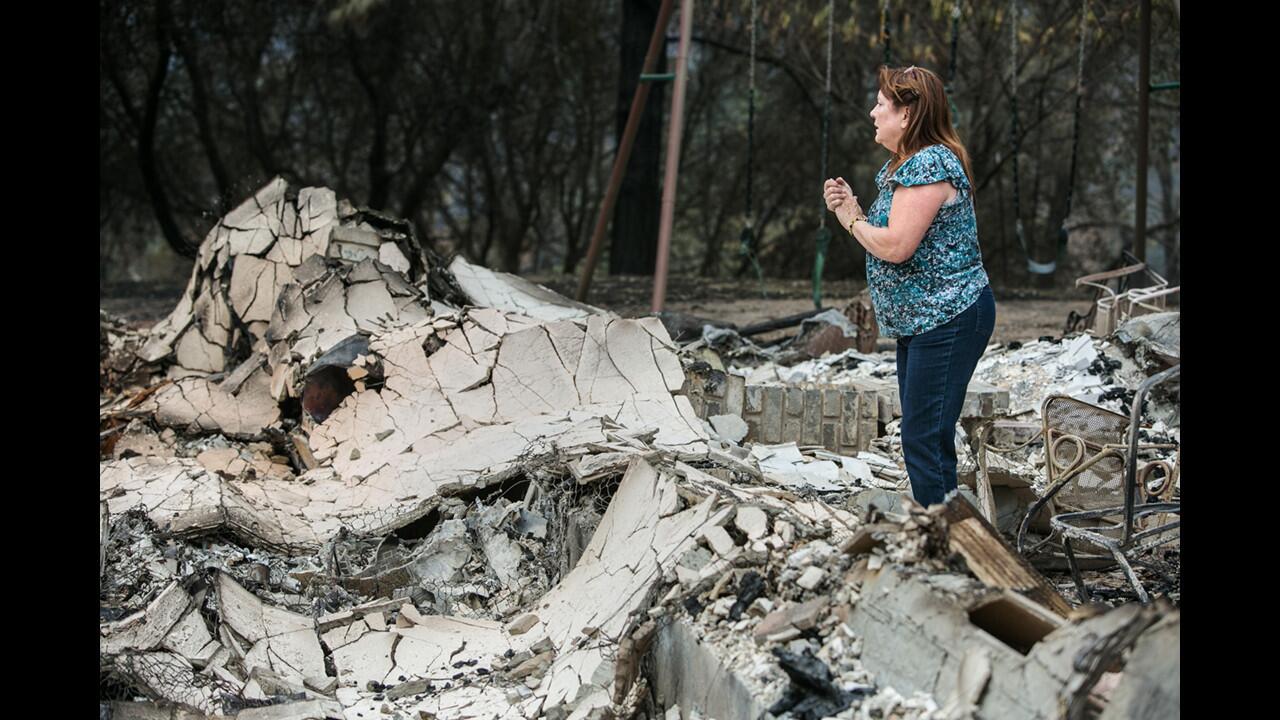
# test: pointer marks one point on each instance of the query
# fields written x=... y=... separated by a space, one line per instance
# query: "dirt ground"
x=1020 y=314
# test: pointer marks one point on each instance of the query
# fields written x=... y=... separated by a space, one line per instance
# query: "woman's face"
x=890 y=122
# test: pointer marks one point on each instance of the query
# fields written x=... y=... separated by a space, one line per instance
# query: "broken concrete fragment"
x=784 y=464
x=432 y=649
x=489 y=288
x=366 y=659
x=799 y=617
x=522 y=624
x=719 y=540
x=1033 y=653
x=729 y=428
x=197 y=404
x=753 y=521
x=812 y=577
x=283 y=642
x=318 y=709
x=191 y=639
x=535 y=666
x=322 y=684
x=410 y=613
x=232 y=285
x=627 y=554
x=593 y=467
x=1151 y=685
x=692 y=675
x=146 y=630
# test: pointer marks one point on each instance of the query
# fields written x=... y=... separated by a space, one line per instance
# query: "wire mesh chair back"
x=1076 y=433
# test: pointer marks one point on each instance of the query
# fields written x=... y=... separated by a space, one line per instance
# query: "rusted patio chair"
x=1098 y=490
x=1144 y=301
x=1111 y=286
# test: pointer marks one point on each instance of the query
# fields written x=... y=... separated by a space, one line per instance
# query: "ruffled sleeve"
x=935 y=163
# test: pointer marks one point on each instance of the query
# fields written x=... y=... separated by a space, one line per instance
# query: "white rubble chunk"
x=178 y=494
x=811 y=578
x=522 y=624
x=529 y=377
x=753 y=521
x=629 y=551
x=389 y=254
x=200 y=404
x=194 y=352
x=730 y=428
x=255 y=284
x=315 y=709
x=719 y=540
x=191 y=639
x=369 y=304
x=512 y=293
x=146 y=630
x=368 y=658
x=431 y=648
x=283 y=642
x=784 y=464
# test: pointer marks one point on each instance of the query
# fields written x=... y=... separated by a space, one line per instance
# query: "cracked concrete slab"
x=148 y=629
x=489 y=288
x=284 y=642
x=433 y=647
x=480 y=434
x=254 y=254
x=628 y=553
x=184 y=498
x=196 y=404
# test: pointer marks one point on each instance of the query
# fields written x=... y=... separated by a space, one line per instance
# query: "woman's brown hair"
x=928 y=114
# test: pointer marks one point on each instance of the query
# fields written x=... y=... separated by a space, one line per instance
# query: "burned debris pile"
x=343 y=479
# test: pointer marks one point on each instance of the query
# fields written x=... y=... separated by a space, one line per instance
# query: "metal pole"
x=1144 y=94
x=675 y=128
x=624 y=151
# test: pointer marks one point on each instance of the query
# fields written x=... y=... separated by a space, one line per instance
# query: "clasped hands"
x=841 y=201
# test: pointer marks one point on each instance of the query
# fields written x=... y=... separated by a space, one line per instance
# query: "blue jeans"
x=934 y=369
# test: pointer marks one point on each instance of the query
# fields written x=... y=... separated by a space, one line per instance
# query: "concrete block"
x=831 y=403
x=792 y=426
x=694 y=674
x=795 y=400
x=849 y=418
x=734 y=391
x=831 y=435
x=811 y=429
x=771 y=415
x=919 y=629
x=868 y=418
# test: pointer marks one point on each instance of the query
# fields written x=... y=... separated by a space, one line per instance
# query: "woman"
x=924 y=268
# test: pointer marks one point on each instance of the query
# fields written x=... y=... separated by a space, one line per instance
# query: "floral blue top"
x=945 y=275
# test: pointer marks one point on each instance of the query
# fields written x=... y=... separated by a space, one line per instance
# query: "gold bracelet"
x=856 y=219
